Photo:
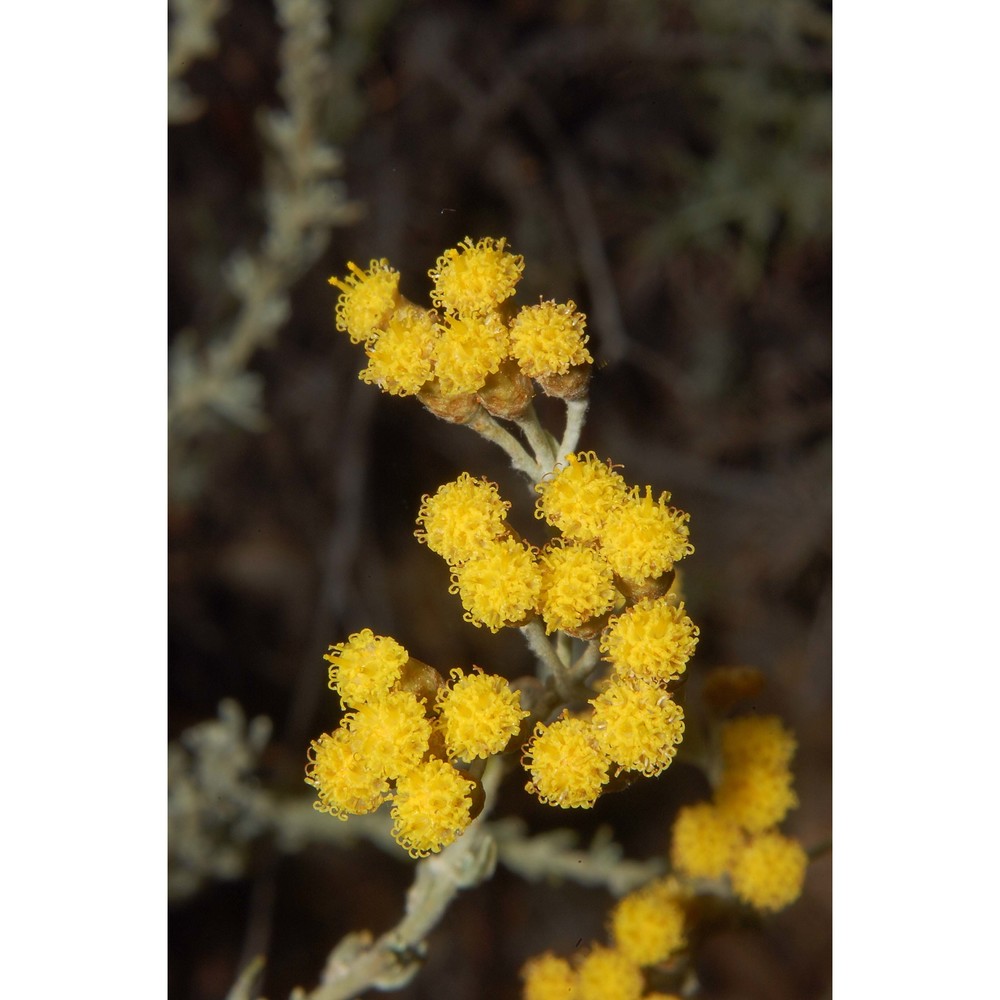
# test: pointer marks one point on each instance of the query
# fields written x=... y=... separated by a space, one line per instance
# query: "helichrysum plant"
x=596 y=595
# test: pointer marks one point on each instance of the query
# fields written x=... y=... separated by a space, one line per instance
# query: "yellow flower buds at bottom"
x=548 y=977
x=367 y=299
x=479 y=715
x=770 y=871
x=431 y=808
x=608 y=974
x=472 y=279
x=703 y=842
x=567 y=767
x=648 y=925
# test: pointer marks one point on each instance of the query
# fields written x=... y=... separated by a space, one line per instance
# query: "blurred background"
x=666 y=165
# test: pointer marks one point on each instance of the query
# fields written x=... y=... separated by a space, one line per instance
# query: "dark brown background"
x=665 y=165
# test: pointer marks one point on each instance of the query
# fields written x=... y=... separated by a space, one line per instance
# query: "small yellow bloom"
x=643 y=538
x=579 y=496
x=549 y=339
x=499 y=585
x=637 y=726
x=346 y=785
x=760 y=739
x=652 y=640
x=479 y=714
x=431 y=808
x=769 y=872
x=567 y=767
x=461 y=517
x=577 y=586
x=608 y=974
x=703 y=842
x=401 y=357
x=648 y=925
x=367 y=299
x=365 y=666
x=755 y=796
x=467 y=351
x=390 y=733
x=473 y=279
x=548 y=977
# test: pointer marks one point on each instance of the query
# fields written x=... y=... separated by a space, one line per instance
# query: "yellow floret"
x=461 y=517
x=608 y=974
x=365 y=666
x=473 y=279
x=654 y=639
x=548 y=977
x=499 y=585
x=390 y=733
x=367 y=299
x=755 y=796
x=577 y=586
x=549 y=339
x=643 y=538
x=769 y=872
x=567 y=767
x=345 y=783
x=579 y=496
x=479 y=714
x=638 y=726
x=467 y=351
x=400 y=358
x=431 y=808
x=648 y=925
x=703 y=841
x=760 y=739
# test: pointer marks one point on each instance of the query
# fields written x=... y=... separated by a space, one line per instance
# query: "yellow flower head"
x=479 y=714
x=769 y=872
x=431 y=808
x=653 y=640
x=345 y=784
x=365 y=666
x=608 y=974
x=549 y=339
x=567 y=767
x=638 y=726
x=548 y=977
x=703 y=841
x=577 y=586
x=499 y=585
x=367 y=299
x=648 y=925
x=755 y=796
x=578 y=497
x=467 y=351
x=643 y=538
x=461 y=517
x=400 y=358
x=760 y=739
x=474 y=279
x=390 y=733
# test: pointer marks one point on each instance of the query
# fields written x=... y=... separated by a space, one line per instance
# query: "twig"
x=485 y=426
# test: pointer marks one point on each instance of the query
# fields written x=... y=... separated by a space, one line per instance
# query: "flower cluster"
x=647 y=928
x=401 y=738
x=736 y=834
x=471 y=349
